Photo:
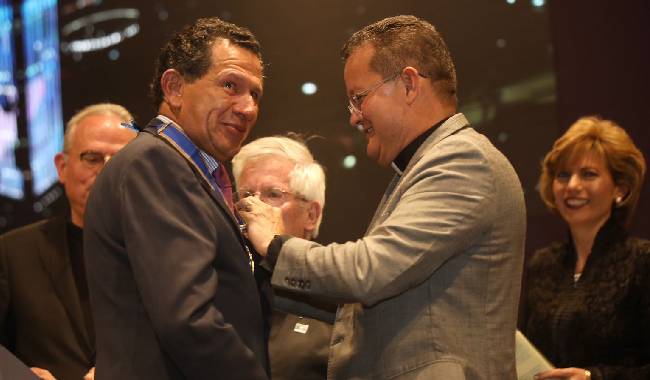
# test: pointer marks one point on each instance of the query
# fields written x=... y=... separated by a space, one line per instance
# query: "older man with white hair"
x=282 y=172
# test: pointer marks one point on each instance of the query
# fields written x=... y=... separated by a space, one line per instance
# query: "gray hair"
x=94 y=109
x=307 y=177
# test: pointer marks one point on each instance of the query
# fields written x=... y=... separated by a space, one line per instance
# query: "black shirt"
x=75 y=250
x=403 y=158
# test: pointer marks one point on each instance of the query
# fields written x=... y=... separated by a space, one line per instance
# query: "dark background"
x=526 y=72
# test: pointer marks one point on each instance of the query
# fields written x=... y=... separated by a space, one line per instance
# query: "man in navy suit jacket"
x=172 y=282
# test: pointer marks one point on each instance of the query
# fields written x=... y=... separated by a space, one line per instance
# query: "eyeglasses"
x=272 y=196
x=93 y=159
x=357 y=99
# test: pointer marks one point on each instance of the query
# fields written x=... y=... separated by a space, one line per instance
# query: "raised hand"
x=263 y=222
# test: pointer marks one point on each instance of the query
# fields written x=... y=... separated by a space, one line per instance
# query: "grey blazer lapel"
x=384 y=201
x=448 y=128
x=53 y=252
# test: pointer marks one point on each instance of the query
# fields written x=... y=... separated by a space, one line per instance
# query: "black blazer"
x=41 y=320
x=170 y=283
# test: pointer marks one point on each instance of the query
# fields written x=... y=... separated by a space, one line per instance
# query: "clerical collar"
x=403 y=158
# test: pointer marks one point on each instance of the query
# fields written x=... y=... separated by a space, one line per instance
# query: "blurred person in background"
x=282 y=173
x=45 y=315
x=586 y=302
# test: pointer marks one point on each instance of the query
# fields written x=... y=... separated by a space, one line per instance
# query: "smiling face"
x=218 y=110
x=259 y=175
x=584 y=191
x=382 y=108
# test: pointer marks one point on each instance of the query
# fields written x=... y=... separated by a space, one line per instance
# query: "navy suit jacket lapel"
x=152 y=128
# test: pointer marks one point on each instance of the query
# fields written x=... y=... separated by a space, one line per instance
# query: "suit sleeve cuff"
x=273 y=251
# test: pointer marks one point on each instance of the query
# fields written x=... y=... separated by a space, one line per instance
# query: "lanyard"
x=170 y=132
x=173 y=135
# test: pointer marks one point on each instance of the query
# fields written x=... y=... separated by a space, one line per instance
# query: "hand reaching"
x=564 y=374
x=263 y=222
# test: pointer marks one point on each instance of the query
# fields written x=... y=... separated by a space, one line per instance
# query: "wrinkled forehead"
x=227 y=53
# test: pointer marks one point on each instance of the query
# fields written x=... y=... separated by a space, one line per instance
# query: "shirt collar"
x=210 y=162
x=403 y=158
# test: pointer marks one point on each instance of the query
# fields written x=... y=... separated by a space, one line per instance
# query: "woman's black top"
x=601 y=321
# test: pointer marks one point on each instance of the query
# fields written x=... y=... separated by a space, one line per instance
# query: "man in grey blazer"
x=431 y=290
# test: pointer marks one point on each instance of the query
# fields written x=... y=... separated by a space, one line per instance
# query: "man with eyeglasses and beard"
x=431 y=290
x=45 y=315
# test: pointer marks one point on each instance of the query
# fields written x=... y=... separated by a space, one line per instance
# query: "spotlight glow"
x=113 y=54
x=349 y=161
x=309 y=88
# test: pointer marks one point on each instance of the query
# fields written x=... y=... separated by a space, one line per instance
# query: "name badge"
x=301 y=328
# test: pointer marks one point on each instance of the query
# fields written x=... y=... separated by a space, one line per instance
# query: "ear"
x=313 y=213
x=621 y=192
x=411 y=80
x=59 y=162
x=171 y=83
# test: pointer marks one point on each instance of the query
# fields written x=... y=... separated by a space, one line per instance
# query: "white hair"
x=307 y=177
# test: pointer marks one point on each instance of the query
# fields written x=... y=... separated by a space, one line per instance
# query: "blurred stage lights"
x=309 y=88
x=77 y=5
x=114 y=54
x=100 y=30
x=349 y=161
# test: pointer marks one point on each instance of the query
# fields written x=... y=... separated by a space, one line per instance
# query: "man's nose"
x=246 y=107
x=355 y=119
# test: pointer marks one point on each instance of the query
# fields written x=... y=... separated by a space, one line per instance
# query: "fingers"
x=247 y=204
x=562 y=373
x=252 y=205
x=42 y=374
x=243 y=206
x=90 y=375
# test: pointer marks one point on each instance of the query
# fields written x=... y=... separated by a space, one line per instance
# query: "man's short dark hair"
x=402 y=41
x=190 y=50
